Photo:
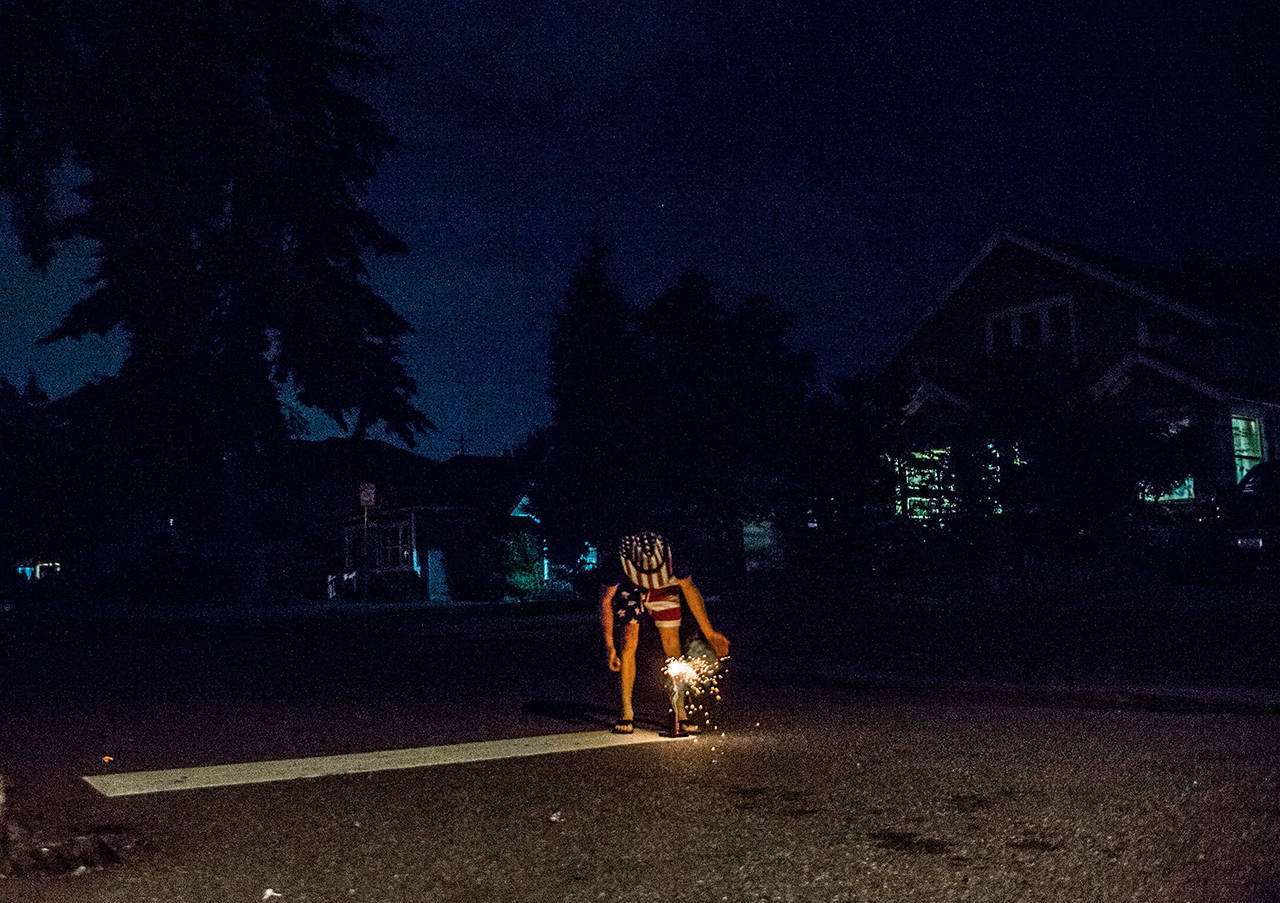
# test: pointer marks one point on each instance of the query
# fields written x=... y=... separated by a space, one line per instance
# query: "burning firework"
x=694 y=674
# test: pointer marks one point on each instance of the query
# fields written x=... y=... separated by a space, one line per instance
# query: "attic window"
x=1029 y=331
x=1060 y=324
x=1046 y=324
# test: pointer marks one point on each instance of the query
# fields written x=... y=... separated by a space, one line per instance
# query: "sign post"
x=368 y=497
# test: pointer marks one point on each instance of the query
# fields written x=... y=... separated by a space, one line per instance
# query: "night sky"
x=845 y=159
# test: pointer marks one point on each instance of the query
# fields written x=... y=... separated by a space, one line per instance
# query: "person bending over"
x=645 y=579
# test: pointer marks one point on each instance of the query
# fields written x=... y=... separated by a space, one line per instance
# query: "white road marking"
x=138 y=782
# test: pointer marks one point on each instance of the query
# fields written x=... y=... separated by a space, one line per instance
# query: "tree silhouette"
x=588 y=450
x=26 y=471
x=681 y=415
x=217 y=154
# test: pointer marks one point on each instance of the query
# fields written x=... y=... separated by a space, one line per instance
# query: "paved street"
x=898 y=770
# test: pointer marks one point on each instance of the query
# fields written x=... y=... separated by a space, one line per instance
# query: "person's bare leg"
x=671 y=649
x=627 y=674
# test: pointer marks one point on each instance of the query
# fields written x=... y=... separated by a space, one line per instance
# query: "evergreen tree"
x=582 y=485
x=681 y=415
x=768 y=406
x=27 y=471
x=223 y=155
x=682 y=378
x=217 y=156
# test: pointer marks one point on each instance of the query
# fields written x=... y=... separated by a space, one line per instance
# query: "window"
x=1246 y=439
x=1183 y=492
x=39 y=570
x=1060 y=326
x=999 y=463
x=391 y=545
x=1047 y=324
x=397 y=546
x=926 y=488
x=1029 y=331
x=926 y=365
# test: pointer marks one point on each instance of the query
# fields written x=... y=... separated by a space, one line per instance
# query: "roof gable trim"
x=930 y=391
x=1112 y=380
x=1107 y=277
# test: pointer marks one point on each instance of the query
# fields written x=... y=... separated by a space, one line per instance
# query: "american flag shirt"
x=650 y=573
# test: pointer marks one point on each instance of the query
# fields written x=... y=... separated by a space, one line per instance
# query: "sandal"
x=624 y=726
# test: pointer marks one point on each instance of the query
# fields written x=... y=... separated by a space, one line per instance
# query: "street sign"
x=368 y=494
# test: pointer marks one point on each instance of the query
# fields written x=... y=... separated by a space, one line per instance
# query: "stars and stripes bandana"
x=646 y=560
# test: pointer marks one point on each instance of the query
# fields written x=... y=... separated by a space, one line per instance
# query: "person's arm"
x=606 y=623
x=718 y=641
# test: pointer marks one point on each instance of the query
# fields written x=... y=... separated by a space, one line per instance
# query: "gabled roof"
x=1114 y=379
x=928 y=391
x=475 y=485
x=478 y=482
x=1087 y=263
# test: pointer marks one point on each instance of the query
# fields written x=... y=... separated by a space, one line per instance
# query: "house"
x=1034 y=326
x=420 y=529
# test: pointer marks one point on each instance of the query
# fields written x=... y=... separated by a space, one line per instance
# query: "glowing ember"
x=681 y=671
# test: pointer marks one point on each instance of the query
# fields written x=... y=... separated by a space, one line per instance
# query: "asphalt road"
x=896 y=751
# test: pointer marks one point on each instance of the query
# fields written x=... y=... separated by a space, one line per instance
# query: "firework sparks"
x=693 y=676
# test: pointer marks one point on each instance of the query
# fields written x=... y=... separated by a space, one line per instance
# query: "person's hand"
x=615 y=663
x=719 y=644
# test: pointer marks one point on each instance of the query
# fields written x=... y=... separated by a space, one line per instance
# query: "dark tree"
x=682 y=415
x=840 y=513
x=218 y=156
x=682 y=379
x=727 y=396
x=26 y=429
x=768 y=410
x=583 y=485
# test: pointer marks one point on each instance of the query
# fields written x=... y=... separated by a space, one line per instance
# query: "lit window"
x=39 y=570
x=926 y=488
x=1246 y=438
x=1183 y=492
